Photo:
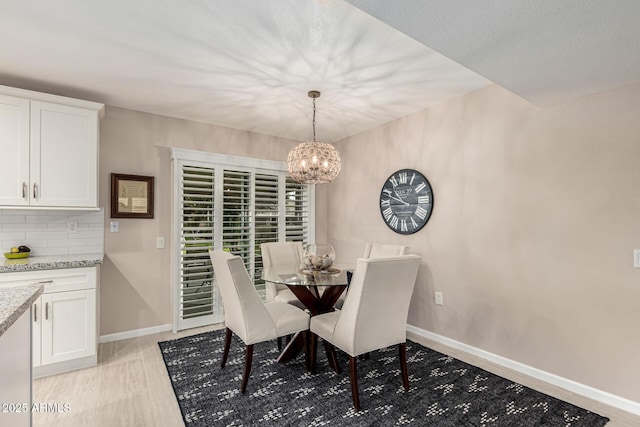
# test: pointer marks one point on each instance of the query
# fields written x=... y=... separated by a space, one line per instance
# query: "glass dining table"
x=317 y=290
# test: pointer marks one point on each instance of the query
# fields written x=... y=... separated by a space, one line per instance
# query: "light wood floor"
x=130 y=387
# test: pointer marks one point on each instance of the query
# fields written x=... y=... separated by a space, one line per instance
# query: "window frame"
x=221 y=163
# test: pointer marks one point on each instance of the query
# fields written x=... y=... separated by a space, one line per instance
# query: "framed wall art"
x=131 y=196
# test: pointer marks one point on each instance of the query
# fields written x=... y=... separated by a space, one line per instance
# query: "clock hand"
x=400 y=200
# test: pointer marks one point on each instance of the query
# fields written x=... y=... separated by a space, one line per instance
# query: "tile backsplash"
x=52 y=232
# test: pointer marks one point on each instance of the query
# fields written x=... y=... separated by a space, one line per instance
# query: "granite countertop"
x=14 y=301
x=53 y=262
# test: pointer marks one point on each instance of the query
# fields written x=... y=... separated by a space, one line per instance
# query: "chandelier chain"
x=314 y=120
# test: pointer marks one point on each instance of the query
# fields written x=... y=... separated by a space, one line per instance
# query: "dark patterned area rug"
x=444 y=391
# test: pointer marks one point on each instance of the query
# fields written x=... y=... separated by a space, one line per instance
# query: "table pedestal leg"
x=316 y=304
x=293 y=348
x=332 y=357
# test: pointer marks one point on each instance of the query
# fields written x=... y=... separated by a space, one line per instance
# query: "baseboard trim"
x=134 y=333
x=66 y=366
x=567 y=384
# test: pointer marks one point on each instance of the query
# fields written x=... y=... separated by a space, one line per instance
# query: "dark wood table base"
x=316 y=304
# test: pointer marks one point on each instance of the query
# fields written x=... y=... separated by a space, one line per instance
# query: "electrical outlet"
x=439 y=298
x=72 y=227
x=114 y=226
x=636 y=258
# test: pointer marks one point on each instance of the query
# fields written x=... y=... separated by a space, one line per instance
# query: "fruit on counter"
x=24 y=249
x=15 y=250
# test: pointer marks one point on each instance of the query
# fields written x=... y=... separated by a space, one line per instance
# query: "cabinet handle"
x=24 y=190
x=43 y=282
x=35 y=190
x=35 y=312
x=46 y=311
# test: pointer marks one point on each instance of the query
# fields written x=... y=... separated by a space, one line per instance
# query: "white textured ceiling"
x=245 y=64
x=248 y=64
x=546 y=51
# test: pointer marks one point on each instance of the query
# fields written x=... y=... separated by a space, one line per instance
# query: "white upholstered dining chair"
x=374 y=314
x=377 y=250
x=245 y=314
x=281 y=253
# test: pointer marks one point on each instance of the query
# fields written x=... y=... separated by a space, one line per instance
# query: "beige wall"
x=536 y=215
x=135 y=280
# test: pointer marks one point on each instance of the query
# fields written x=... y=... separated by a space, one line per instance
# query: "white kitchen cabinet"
x=51 y=144
x=14 y=146
x=64 y=318
x=67 y=326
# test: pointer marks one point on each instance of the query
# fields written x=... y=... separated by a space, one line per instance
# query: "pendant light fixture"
x=314 y=162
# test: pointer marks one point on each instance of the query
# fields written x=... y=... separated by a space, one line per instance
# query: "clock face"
x=406 y=201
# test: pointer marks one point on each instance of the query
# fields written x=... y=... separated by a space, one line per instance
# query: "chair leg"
x=227 y=344
x=279 y=341
x=403 y=365
x=313 y=350
x=353 y=375
x=307 y=346
x=247 y=368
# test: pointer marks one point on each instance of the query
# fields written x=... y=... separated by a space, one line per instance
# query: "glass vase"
x=319 y=256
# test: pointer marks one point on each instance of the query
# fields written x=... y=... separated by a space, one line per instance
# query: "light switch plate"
x=636 y=258
x=439 y=298
x=159 y=242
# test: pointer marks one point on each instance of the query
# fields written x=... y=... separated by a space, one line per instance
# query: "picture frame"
x=131 y=196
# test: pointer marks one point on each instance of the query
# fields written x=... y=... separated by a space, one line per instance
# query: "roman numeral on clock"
x=423 y=199
x=387 y=213
x=421 y=213
x=394 y=222
x=393 y=181
x=421 y=187
x=403 y=225
x=385 y=202
x=402 y=177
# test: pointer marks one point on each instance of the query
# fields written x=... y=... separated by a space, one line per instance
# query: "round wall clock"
x=406 y=201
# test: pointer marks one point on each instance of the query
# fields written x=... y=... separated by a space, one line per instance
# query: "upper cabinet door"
x=14 y=146
x=64 y=156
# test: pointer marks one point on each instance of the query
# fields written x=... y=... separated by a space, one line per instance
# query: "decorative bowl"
x=16 y=255
x=319 y=257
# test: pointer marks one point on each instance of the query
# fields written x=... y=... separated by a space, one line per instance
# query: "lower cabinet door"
x=68 y=325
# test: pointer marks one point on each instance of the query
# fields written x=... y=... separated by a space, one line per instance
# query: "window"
x=234 y=204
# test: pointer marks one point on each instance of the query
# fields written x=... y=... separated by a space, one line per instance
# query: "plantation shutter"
x=297 y=212
x=267 y=220
x=236 y=216
x=233 y=204
x=196 y=297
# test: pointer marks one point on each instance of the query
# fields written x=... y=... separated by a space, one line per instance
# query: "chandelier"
x=314 y=162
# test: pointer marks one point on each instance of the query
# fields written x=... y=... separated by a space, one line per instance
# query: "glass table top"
x=300 y=275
